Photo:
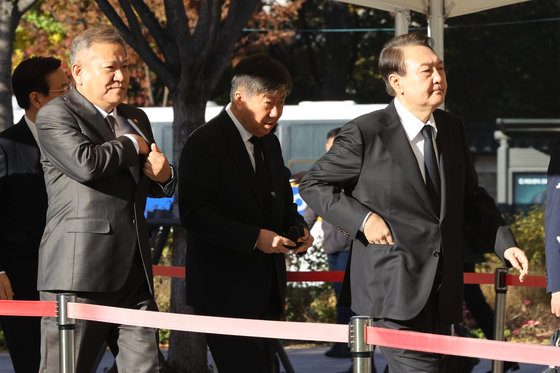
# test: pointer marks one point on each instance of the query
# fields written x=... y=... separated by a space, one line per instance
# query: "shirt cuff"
x=168 y=187
x=134 y=142
x=364 y=222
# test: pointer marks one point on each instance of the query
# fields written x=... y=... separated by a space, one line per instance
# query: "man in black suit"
x=236 y=203
x=23 y=204
x=100 y=163
x=403 y=198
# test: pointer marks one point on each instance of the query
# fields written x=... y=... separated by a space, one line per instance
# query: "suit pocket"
x=87 y=225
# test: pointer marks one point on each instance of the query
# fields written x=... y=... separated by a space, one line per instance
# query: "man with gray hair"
x=100 y=163
x=236 y=203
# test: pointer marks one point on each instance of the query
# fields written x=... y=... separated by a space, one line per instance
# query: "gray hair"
x=85 y=39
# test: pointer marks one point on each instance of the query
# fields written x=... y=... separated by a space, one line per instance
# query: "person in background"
x=23 y=204
x=337 y=246
x=100 y=162
x=552 y=229
x=236 y=204
x=401 y=183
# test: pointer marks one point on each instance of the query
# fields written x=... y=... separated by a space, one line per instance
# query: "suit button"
x=436 y=253
x=134 y=221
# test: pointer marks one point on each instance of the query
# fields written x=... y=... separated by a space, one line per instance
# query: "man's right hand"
x=377 y=231
x=270 y=242
x=143 y=147
x=6 y=292
x=555 y=304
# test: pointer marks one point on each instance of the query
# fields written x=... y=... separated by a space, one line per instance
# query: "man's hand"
x=518 y=260
x=555 y=304
x=6 y=292
x=270 y=242
x=306 y=242
x=143 y=147
x=157 y=166
x=377 y=231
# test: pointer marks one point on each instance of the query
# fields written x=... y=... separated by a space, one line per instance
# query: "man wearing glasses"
x=23 y=204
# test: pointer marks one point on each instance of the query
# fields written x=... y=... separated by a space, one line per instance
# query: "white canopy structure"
x=435 y=10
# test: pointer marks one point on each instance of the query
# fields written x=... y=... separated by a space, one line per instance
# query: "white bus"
x=302 y=129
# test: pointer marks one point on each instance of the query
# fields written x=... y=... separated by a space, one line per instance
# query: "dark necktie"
x=111 y=120
x=119 y=130
x=260 y=167
x=431 y=168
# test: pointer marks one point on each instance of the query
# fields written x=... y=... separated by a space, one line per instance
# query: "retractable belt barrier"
x=359 y=334
x=338 y=276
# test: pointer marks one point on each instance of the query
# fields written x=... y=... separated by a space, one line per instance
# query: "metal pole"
x=500 y=288
x=361 y=351
x=402 y=20
x=66 y=333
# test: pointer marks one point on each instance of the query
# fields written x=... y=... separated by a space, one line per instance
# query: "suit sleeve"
x=199 y=183
x=327 y=186
x=552 y=222
x=64 y=143
x=482 y=219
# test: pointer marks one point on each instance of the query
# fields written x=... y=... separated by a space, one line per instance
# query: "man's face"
x=260 y=112
x=58 y=83
x=101 y=74
x=424 y=85
x=329 y=143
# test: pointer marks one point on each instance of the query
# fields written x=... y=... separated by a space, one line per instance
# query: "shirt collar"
x=411 y=124
x=104 y=114
x=245 y=135
x=32 y=128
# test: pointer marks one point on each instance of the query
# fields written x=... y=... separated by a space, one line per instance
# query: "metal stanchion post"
x=361 y=351
x=66 y=333
x=500 y=288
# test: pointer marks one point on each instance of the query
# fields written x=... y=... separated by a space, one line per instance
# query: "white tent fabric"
x=452 y=8
x=436 y=10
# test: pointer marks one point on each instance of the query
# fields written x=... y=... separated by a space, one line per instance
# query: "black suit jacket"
x=223 y=209
x=371 y=167
x=23 y=206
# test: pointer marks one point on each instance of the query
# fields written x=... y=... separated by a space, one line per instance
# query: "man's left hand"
x=306 y=242
x=157 y=166
x=518 y=260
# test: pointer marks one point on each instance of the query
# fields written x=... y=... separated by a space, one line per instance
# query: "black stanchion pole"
x=361 y=351
x=66 y=333
x=500 y=288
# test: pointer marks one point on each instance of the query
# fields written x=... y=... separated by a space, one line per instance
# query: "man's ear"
x=77 y=73
x=35 y=100
x=395 y=82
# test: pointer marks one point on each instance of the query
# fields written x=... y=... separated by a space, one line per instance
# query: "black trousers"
x=23 y=334
x=427 y=321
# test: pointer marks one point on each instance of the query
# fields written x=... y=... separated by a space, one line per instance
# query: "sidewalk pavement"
x=305 y=360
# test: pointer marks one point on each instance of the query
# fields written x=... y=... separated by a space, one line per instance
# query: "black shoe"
x=339 y=350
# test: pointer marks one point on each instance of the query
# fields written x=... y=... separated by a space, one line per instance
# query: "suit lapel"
x=89 y=113
x=236 y=148
x=396 y=141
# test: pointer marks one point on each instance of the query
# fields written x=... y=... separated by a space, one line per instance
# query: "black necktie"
x=260 y=167
x=431 y=168
x=111 y=120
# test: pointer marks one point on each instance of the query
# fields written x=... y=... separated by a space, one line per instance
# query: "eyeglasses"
x=66 y=88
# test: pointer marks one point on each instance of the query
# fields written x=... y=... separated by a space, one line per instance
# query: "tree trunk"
x=7 y=30
x=10 y=14
x=187 y=351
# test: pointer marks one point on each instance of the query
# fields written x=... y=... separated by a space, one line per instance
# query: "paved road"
x=306 y=360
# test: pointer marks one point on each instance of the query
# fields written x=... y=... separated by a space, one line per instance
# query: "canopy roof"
x=452 y=8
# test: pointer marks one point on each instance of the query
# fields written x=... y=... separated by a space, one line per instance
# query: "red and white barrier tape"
x=480 y=348
x=505 y=351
